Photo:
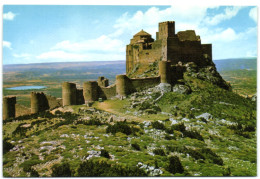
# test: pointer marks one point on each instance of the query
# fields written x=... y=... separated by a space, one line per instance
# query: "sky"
x=67 y=33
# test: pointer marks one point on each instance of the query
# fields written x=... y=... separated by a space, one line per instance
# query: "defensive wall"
x=169 y=49
x=92 y=91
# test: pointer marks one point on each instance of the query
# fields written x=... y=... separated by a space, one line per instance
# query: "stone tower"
x=90 y=91
x=39 y=102
x=69 y=93
x=9 y=107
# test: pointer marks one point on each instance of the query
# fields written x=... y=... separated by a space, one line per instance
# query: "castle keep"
x=185 y=46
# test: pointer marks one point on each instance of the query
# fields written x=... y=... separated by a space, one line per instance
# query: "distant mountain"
x=117 y=66
x=236 y=64
x=63 y=66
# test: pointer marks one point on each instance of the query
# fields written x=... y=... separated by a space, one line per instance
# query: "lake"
x=26 y=87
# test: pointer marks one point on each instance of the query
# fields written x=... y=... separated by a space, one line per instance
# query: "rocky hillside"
x=194 y=128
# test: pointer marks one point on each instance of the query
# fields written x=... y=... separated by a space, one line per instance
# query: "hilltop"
x=203 y=129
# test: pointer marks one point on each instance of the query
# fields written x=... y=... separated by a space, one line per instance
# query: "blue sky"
x=48 y=33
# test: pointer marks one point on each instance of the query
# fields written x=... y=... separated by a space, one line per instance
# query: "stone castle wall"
x=168 y=50
x=107 y=92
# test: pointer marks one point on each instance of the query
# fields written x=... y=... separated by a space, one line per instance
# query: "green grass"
x=243 y=82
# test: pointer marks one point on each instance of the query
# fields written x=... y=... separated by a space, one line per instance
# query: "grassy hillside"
x=205 y=131
x=243 y=82
x=210 y=132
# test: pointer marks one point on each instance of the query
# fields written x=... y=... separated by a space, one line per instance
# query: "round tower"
x=90 y=91
x=122 y=85
x=34 y=103
x=9 y=107
x=69 y=93
x=164 y=71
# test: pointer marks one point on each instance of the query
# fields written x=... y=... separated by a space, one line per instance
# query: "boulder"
x=164 y=87
x=254 y=97
x=182 y=89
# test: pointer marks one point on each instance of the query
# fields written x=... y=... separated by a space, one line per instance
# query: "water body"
x=26 y=87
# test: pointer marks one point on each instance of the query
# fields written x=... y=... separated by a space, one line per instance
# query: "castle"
x=169 y=50
x=185 y=46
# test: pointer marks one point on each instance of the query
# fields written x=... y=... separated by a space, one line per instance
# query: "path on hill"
x=105 y=106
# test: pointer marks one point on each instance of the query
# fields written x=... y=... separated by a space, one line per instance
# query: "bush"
x=105 y=154
x=33 y=173
x=158 y=125
x=179 y=127
x=34 y=160
x=159 y=152
x=209 y=154
x=61 y=170
x=7 y=146
x=136 y=146
x=193 y=135
x=119 y=127
x=175 y=165
x=194 y=154
x=169 y=137
x=101 y=169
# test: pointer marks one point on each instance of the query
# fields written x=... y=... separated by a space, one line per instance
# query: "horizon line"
x=109 y=61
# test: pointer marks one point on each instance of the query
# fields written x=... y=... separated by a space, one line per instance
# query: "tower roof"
x=142 y=33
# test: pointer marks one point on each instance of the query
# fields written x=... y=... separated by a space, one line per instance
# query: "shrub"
x=179 y=127
x=34 y=160
x=61 y=170
x=7 y=146
x=158 y=125
x=94 y=121
x=104 y=153
x=33 y=173
x=179 y=149
x=209 y=154
x=175 y=165
x=169 y=137
x=135 y=146
x=169 y=130
x=119 y=127
x=159 y=152
x=194 y=154
x=101 y=168
x=193 y=135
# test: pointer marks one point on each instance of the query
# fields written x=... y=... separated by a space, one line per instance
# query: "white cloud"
x=60 y=55
x=226 y=35
x=23 y=55
x=7 y=44
x=229 y=12
x=253 y=14
x=102 y=44
x=9 y=16
x=226 y=41
x=186 y=17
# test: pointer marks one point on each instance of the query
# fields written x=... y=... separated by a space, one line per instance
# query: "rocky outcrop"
x=207 y=73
